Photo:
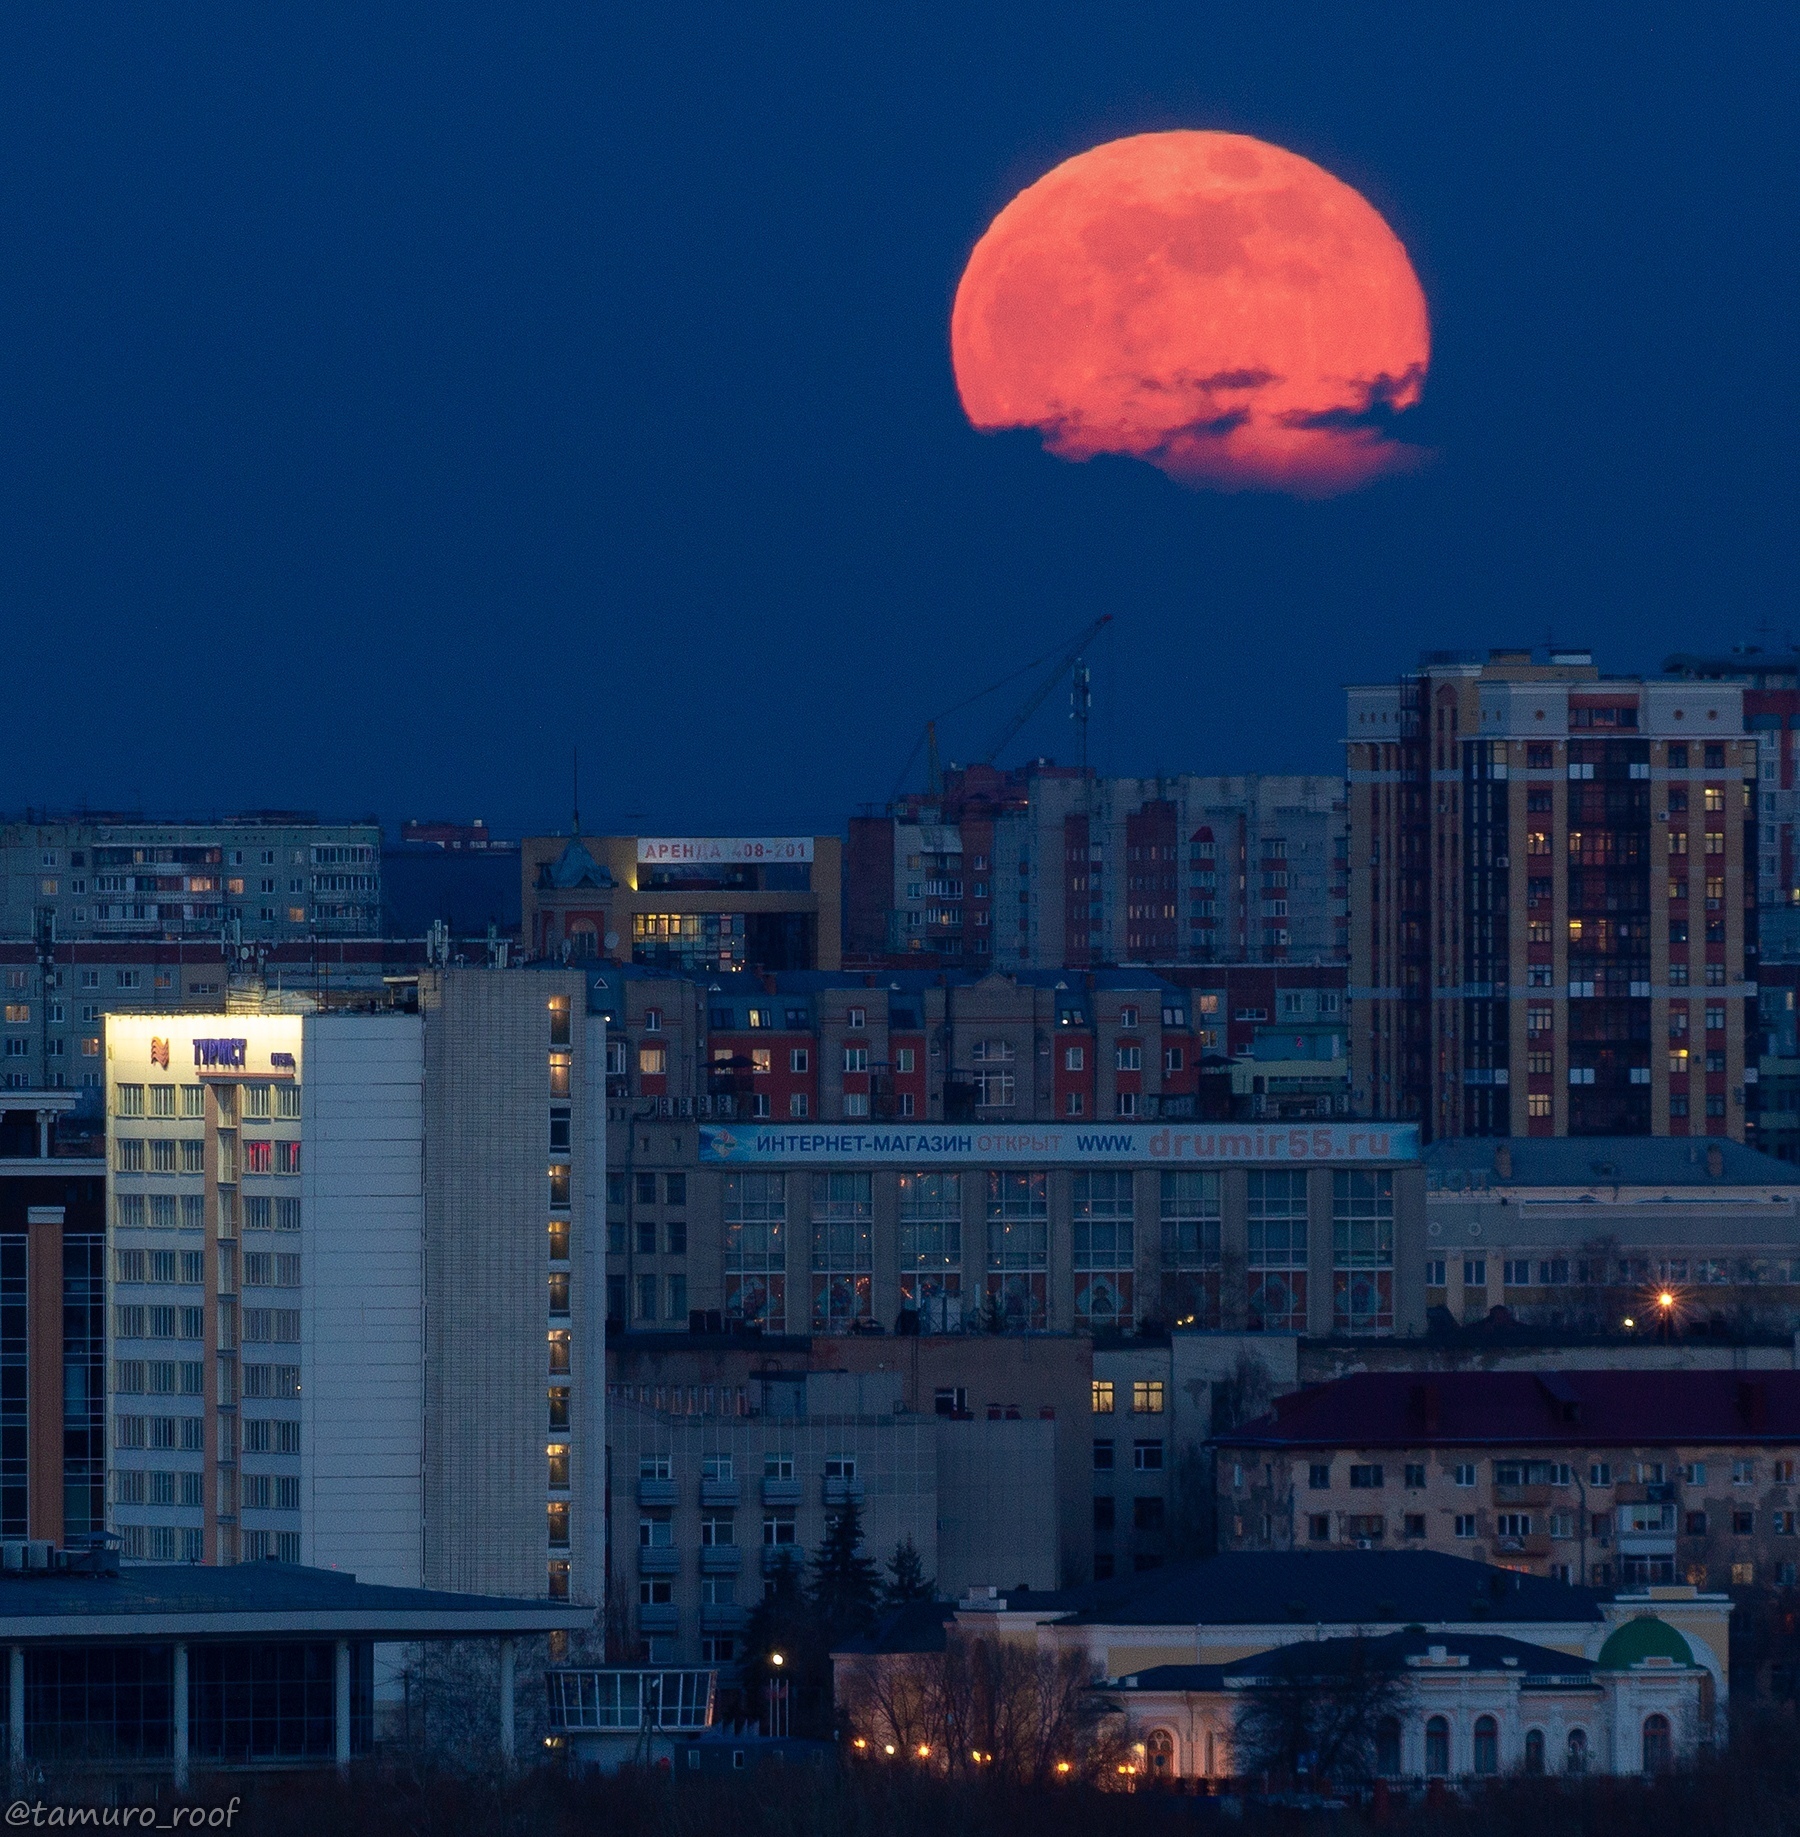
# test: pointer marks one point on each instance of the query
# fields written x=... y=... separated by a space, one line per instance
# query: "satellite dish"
x=612 y=940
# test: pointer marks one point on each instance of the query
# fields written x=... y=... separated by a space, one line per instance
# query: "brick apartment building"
x=52 y=1319
x=1600 y=1477
x=1042 y=867
x=1553 y=899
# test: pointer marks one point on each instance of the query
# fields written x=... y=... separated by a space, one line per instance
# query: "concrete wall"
x=994 y=1522
x=487 y=1148
x=362 y=1320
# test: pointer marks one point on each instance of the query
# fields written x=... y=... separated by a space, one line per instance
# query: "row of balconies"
x=715 y=1559
x=665 y=1617
x=836 y=1491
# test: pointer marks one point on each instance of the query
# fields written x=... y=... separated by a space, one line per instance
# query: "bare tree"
x=986 y=1706
x=1316 y=1712
x=452 y=1700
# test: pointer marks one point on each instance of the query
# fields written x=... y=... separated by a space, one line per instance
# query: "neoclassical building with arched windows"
x=1451 y=1706
x=1468 y=1670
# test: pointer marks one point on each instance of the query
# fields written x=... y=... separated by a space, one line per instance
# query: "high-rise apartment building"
x=515 y=1411
x=52 y=1318
x=266 y=1318
x=273 y=874
x=356 y=1310
x=1552 y=899
x=1043 y=867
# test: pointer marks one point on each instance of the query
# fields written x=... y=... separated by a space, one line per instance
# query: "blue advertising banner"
x=1041 y=1144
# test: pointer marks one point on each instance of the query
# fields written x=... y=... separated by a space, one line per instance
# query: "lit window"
x=1103 y=1397
x=1147 y=1397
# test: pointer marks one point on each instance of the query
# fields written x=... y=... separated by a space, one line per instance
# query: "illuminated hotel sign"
x=659 y=851
x=1050 y=1144
x=220 y=1052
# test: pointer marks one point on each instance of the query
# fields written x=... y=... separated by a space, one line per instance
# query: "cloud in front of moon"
x=1215 y=305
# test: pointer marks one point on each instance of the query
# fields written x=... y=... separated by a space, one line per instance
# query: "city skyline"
x=434 y=366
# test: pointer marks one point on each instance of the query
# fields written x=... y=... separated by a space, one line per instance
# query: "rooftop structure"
x=224 y=1666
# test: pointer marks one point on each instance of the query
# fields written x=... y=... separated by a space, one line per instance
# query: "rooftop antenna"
x=575 y=785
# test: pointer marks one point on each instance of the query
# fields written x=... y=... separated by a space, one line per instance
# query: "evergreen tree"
x=784 y=1621
x=845 y=1583
x=906 y=1572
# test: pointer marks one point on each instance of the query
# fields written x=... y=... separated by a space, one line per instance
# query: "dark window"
x=1659 y=1751
x=267 y=1702
x=1103 y=1457
x=1437 y=1735
x=1415 y=1473
x=646 y=1236
x=1103 y=1565
x=1318 y=1475
x=1103 y=1514
x=1318 y=1528
x=1487 y=1745
x=1147 y=1514
x=677 y=1237
x=646 y=1189
x=1365 y=1476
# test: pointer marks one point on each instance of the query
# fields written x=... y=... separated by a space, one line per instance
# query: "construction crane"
x=1067 y=657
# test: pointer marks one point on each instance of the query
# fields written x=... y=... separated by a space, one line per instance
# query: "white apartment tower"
x=265 y=1326
x=356 y=1297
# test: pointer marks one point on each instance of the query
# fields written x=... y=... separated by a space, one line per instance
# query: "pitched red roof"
x=1587 y=1409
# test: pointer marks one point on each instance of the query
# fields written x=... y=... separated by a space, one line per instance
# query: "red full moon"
x=1215 y=305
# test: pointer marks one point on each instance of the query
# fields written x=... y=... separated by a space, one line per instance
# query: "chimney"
x=1503 y=1161
x=1715 y=1161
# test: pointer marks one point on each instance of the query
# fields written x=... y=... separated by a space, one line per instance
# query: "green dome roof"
x=1642 y=1638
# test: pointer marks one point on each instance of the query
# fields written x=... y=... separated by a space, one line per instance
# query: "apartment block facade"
x=514 y=1154
x=264 y=1334
x=1553 y=900
x=354 y=1285
x=986 y=1384
x=1599 y=1477
x=1044 y=867
x=709 y=1505
x=1683 y=1240
x=52 y=1319
x=825 y=1154
x=267 y=875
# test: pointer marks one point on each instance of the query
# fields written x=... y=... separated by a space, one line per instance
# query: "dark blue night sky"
x=394 y=400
